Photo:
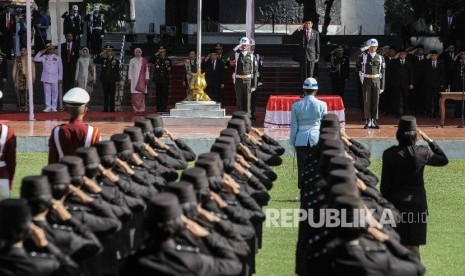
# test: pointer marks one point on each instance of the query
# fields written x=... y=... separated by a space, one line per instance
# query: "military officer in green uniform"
x=372 y=77
x=161 y=77
x=110 y=76
x=244 y=72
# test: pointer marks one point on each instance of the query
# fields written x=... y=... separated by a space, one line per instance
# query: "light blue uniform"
x=306 y=118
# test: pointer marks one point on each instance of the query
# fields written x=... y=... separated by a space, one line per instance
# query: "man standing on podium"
x=309 y=48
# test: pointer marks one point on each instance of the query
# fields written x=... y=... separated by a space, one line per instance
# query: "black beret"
x=106 y=148
x=216 y=156
x=210 y=165
x=144 y=124
x=89 y=155
x=122 y=142
x=156 y=120
x=407 y=123
x=346 y=177
x=229 y=132
x=163 y=207
x=325 y=158
x=183 y=190
x=242 y=115
x=75 y=165
x=196 y=176
x=57 y=174
x=238 y=125
x=134 y=133
x=330 y=122
x=341 y=163
x=225 y=150
x=226 y=140
x=344 y=189
x=35 y=186
x=14 y=214
x=332 y=144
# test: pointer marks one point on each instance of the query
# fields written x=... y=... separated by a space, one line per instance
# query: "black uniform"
x=340 y=67
x=447 y=59
x=72 y=24
x=110 y=76
x=161 y=78
x=96 y=30
x=402 y=184
x=8 y=30
x=417 y=100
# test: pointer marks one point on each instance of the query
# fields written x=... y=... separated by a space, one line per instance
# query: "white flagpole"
x=58 y=15
x=199 y=34
x=250 y=19
x=29 y=61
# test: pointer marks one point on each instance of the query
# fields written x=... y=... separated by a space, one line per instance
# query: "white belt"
x=371 y=76
x=244 y=76
x=307 y=126
x=2 y=164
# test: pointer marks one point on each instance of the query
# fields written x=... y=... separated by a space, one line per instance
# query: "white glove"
x=237 y=47
x=381 y=91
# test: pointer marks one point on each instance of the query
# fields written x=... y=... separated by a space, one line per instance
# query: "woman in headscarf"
x=138 y=77
x=85 y=72
x=20 y=79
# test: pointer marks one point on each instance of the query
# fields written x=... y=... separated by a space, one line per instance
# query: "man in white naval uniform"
x=52 y=75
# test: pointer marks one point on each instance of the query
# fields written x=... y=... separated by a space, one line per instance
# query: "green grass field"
x=443 y=255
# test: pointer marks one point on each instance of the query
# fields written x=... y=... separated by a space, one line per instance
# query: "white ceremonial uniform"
x=52 y=72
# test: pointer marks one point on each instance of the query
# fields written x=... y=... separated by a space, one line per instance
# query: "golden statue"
x=197 y=86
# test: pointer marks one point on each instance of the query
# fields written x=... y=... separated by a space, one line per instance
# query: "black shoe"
x=366 y=126
x=375 y=125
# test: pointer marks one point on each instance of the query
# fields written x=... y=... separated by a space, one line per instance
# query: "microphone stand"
x=462 y=125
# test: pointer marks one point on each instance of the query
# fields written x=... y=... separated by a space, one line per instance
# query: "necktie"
x=214 y=65
x=451 y=55
x=434 y=64
x=68 y=57
x=7 y=20
x=308 y=35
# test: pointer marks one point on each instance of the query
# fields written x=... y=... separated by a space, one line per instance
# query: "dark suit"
x=309 y=51
x=447 y=59
x=417 y=99
x=69 y=64
x=401 y=76
x=387 y=98
x=457 y=83
x=433 y=84
x=8 y=32
x=215 y=78
x=448 y=31
x=340 y=67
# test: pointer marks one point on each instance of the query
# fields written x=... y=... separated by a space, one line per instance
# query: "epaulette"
x=187 y=248
x=62 y=227
x=41 y=255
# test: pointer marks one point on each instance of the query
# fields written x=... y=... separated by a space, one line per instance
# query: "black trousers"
x=7 y=43
x=302 y=153
x=432 y=100
x=215 y=93
x=253 y=103
x=400 y=100
x=338 y=85
x=161 y=95
x=306 y=69
x=109 y=91
x=96 y=42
